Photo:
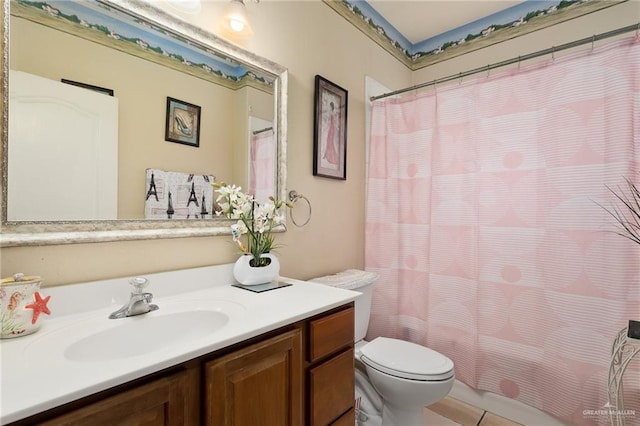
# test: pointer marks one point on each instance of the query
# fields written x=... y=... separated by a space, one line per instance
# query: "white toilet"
x=405 y=376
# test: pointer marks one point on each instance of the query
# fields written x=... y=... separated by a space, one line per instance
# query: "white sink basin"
x=146 y=333
x=97 y=338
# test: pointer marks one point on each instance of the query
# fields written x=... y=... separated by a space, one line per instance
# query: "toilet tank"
x=362 y=282
x=363 y=310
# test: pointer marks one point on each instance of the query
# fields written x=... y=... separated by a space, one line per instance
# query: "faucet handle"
x=138 y=283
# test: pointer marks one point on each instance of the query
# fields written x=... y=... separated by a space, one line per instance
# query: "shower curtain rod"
x=266 y=129
x=550 y=51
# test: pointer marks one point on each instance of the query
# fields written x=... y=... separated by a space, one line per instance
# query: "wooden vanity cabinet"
x=271 y=382
x=301 y=374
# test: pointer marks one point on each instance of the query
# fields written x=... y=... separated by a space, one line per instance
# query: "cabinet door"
x=159 y=403
x=257 y=385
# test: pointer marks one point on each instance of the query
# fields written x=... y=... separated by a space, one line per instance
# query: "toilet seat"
x=406 y=360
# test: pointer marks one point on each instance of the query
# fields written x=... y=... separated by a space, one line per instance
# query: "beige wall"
x=308 y=38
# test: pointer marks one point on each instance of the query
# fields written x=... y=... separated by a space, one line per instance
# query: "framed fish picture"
x=183 y=122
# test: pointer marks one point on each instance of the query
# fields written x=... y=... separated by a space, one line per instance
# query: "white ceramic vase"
x=246 y=274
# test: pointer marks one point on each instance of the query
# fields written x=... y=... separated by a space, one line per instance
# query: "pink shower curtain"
x=262 y=166
x=483 y=225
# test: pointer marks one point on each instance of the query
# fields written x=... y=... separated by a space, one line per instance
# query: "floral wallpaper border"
x=99 y=23
x=523 y=18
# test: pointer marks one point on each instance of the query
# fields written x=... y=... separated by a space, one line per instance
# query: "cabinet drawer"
x=330 y=333
x=331 y=389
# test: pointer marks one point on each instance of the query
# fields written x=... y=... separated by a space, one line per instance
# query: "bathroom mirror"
x=230 y=143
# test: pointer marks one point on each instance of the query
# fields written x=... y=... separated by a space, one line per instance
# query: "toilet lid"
x=406 y=359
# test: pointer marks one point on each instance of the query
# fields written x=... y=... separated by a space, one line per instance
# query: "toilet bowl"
x=406 y=376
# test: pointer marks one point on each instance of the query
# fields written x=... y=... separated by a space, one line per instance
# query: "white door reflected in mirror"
x=63 y=145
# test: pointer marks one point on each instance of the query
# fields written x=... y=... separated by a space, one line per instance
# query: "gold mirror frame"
x=47 y=233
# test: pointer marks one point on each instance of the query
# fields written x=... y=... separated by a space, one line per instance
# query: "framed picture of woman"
x=330 y=130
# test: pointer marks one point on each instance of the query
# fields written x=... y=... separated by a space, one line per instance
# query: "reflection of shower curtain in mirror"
x=263 y=165
x=483 y=225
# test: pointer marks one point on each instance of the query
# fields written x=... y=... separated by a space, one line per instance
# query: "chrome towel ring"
x=294 y=196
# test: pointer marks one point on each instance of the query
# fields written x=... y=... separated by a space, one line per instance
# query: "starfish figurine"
x=38 y=306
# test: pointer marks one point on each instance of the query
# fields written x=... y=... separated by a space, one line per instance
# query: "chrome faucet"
x=139 y=302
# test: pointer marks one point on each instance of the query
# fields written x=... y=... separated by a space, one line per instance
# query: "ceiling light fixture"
x=236 y=20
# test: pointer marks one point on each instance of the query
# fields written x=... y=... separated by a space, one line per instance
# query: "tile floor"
x=452 y=412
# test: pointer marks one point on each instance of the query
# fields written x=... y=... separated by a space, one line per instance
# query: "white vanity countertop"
x=37 y=376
